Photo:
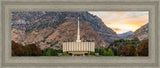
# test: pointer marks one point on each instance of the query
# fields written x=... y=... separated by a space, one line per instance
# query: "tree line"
x=32 y=50
x=127 y=47
x=120 y=47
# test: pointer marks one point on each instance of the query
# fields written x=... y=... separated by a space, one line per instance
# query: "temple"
x=78 y=48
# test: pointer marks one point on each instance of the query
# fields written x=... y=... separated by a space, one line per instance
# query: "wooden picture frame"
x=7 y=61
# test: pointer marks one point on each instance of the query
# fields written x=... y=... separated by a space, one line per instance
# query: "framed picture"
x=85 y=33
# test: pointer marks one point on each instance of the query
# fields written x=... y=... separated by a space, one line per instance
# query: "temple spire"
x=78 y=33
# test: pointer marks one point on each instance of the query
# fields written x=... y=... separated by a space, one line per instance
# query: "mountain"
x=125 y=35
x=50 y=29
x=141 y=33
x=67 y=32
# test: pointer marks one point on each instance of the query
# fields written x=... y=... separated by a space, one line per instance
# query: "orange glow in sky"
x=123 y=21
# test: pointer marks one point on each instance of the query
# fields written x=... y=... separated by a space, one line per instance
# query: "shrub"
x=65 y=54
x=70 y=53
x=86 y=53
x=91 y=53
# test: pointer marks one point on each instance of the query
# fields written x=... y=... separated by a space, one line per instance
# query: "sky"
x=123 y=21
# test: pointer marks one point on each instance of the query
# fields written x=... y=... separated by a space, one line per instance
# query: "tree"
x=135 y=39
x=110 y=52
x=35 y=50
x=115 y=50
x=96 y=50
x=51 y=52
x=129 y=50
x=54 y=52
x=59 y=51
x=44 y=52
x=105 y=53
x=18 y=49
x=143 y=48
x=28 y=50
x=101 y=51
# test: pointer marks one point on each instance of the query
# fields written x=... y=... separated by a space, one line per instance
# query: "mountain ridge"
x=125 y=35
x=30 y=27
x=141 y=33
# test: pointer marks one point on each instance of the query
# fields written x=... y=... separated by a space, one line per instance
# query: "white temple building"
x=78 y=48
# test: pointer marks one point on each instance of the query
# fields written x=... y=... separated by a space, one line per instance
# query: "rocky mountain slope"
x=141 y=33
x=67 y=32
x=50 y=29
x=125 y=35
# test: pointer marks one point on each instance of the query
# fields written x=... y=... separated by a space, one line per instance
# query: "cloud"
x=123 y=19
x=116 y=29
